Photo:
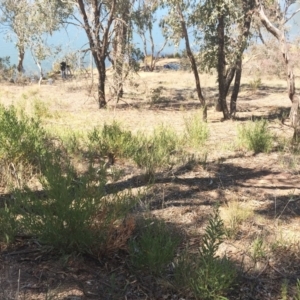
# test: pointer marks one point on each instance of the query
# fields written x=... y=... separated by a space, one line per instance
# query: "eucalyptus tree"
x=178 y=24
x=122 y=46
x=29 y=22
x=98 y=18
x=145 y=17
x=283 y=13
x=225 y=27
x=220 y=31
x=44 y=18
x=14 y=15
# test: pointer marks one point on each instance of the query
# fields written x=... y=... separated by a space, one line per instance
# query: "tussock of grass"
x=196 y=130
x=234 y=215
x=258 y=248
x=255 y=136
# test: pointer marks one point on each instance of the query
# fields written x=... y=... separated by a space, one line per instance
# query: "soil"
x=266 y=184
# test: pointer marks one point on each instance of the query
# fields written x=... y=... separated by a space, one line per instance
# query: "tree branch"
x=293 y=14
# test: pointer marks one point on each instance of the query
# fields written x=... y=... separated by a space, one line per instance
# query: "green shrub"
x=62 y=215
x=7 y=70
x=154 y=246
x=73 y=141
x=184 y=270
x=255 y=136
x=297 y=290
x=8 y=223
x=71 y=214
x=156 y=95
x=155 y=151
x=111 y=140
x=41 y=108
x=284 y=290
x=258 y=249
x=196 y=130
x=148 y=152
x=72 y=211
x=206 y=275
x=21 y=139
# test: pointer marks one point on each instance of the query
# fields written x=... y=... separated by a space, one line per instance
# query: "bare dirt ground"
x=266 y=185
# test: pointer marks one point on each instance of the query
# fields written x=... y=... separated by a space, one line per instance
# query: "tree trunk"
x=193 y=64
x=248 y=6
x=280 y=36
x=236 y=88
x=119 y=46
x=118 y=61
x=98 y=35
x=152 y=64
x=21 y=56
x=221 y=105
x=41 y=72
x=101 y=86
x=228 y=79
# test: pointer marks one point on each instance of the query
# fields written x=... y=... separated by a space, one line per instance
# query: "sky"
x=72 y=39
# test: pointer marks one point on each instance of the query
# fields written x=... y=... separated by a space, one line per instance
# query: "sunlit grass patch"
x=255 y=136
x=196 y=130
x=234 y=215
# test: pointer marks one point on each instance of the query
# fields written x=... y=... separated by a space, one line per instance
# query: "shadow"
x=181 y=186
x=111 y=276
x=186 y=98
x=179 y=189
x=263 y=89
x=281 y=207
x=279 y=113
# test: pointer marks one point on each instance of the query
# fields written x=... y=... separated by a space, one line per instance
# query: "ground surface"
x=268 y=185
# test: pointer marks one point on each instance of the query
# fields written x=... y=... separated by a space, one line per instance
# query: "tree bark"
x=98 y=35
x=228 y=79
x=119 y=48
x=21 y=56
x=101 y=84
x=41 y=72
x=236 y=88
x=248 y=9
x=193 y=64
x=221 y=104
x=280 y=36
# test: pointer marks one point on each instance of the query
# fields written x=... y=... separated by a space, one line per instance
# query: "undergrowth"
x=149 y=152
x=71 y=211
x=255 y=136
x=153 y=247
x=196 y=130
x=205 y=274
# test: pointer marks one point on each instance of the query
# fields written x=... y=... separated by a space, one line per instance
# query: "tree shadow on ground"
x=269 y=113
x=183 y=188
x=43 y=272
x=281 y=207
x=265 y=88
x=186 y=98
x=112 y=277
